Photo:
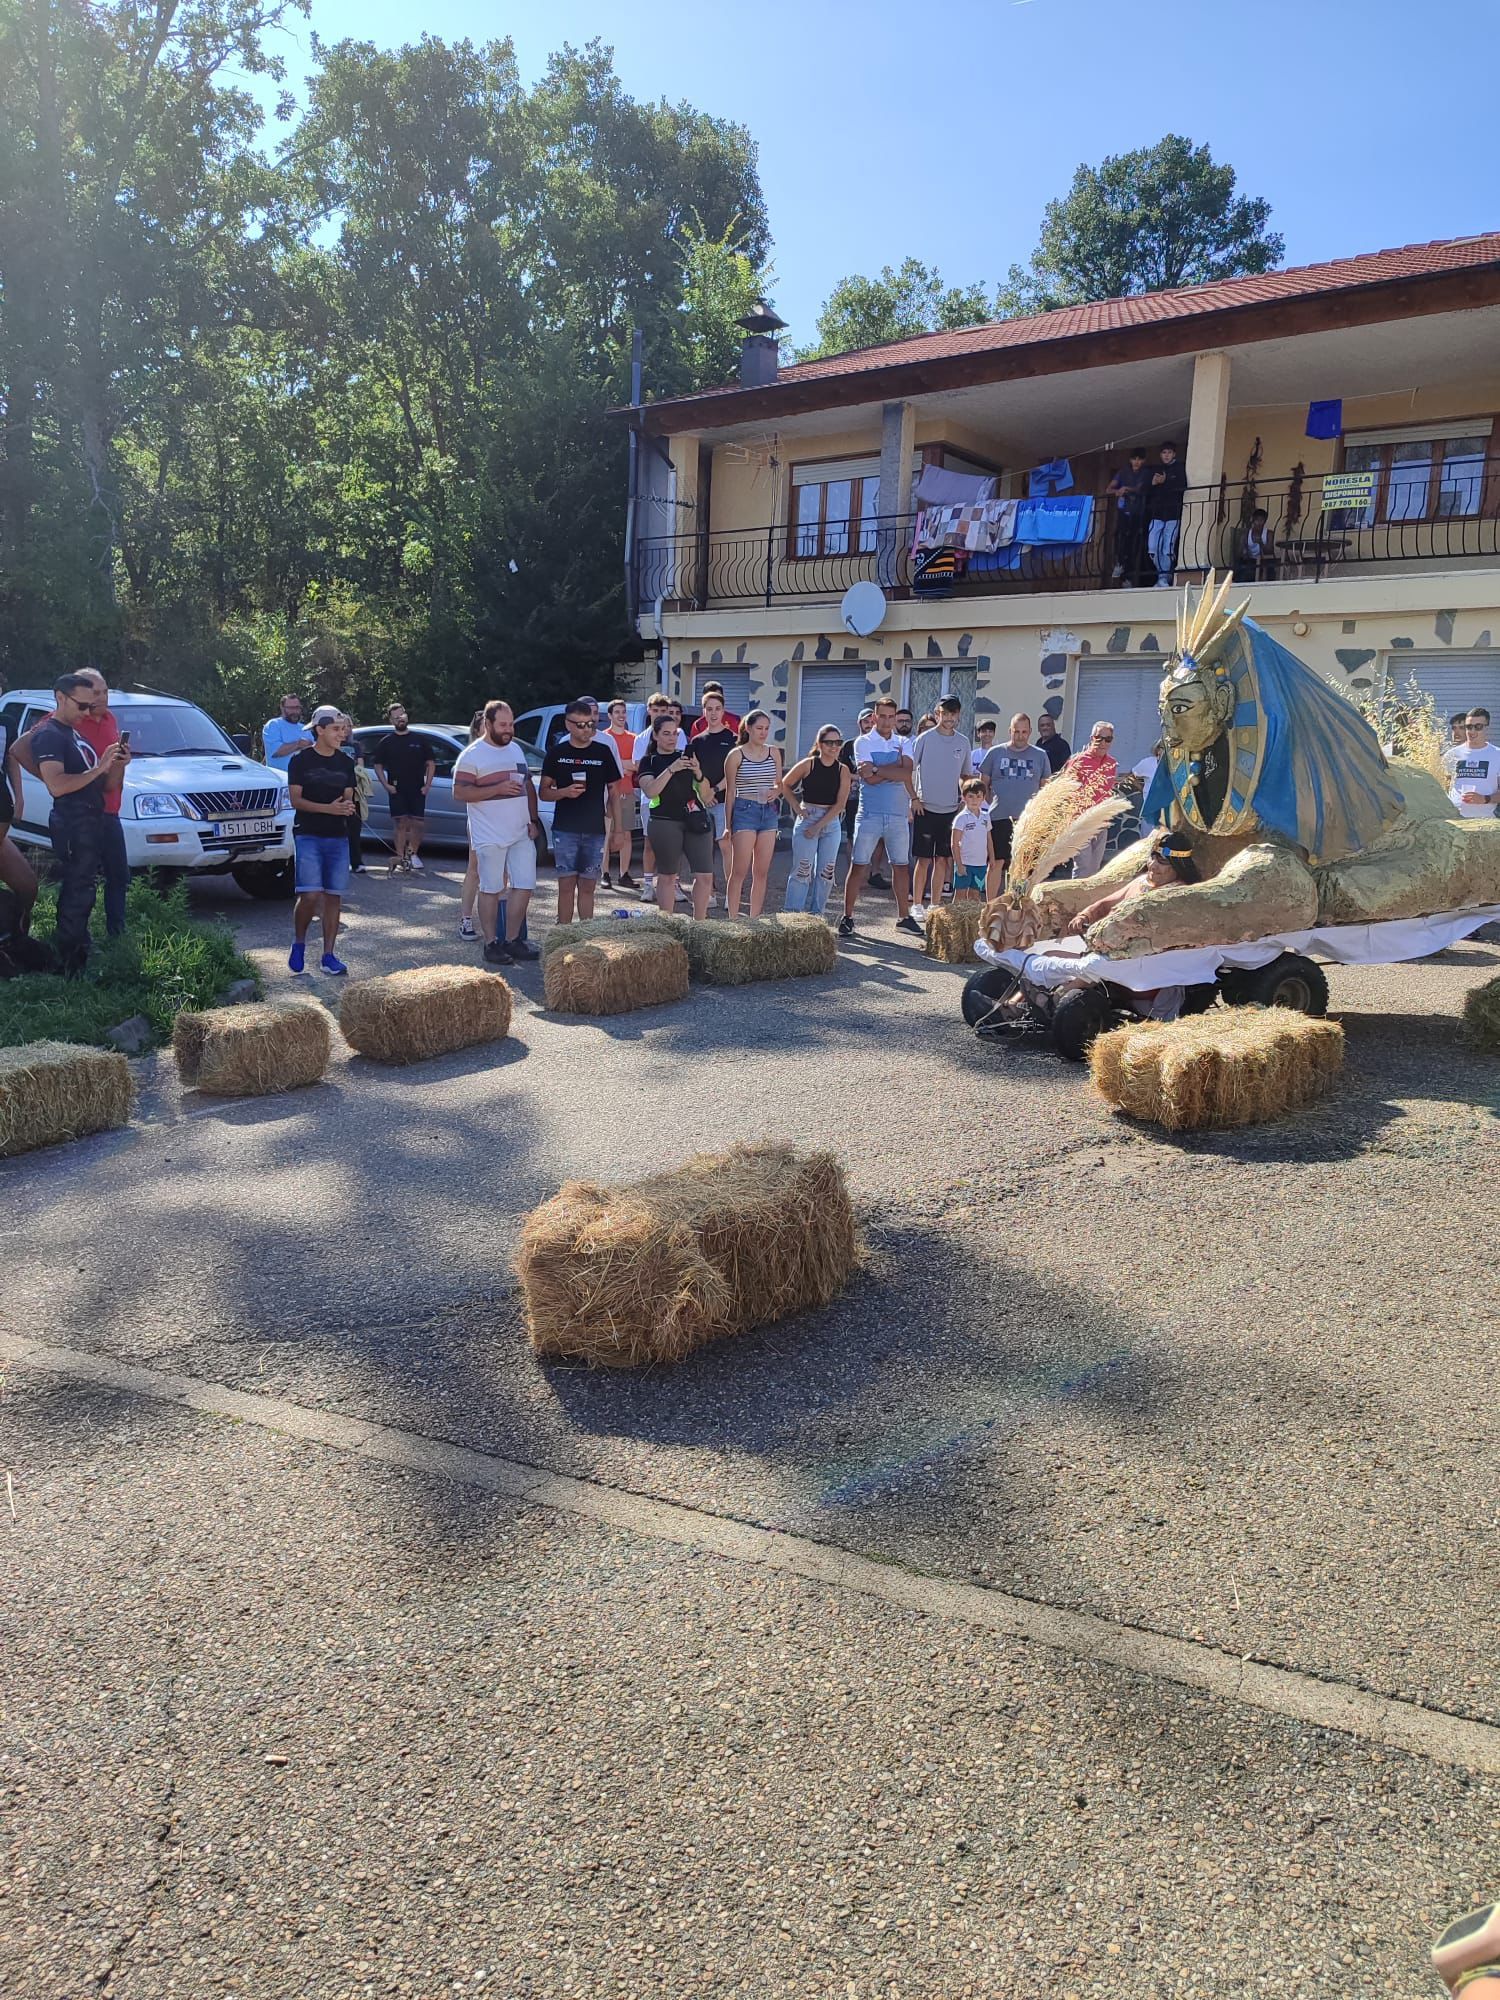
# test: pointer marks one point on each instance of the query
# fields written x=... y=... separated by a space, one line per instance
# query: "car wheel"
x=267 y=881
x=985 y=989
x=1289 y=981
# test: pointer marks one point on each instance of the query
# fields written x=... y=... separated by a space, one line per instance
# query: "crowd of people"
x=935 y=807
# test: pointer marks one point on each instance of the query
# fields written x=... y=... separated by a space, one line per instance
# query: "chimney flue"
x=759 y=356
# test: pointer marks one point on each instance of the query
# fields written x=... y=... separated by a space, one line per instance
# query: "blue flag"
x=1326 y=420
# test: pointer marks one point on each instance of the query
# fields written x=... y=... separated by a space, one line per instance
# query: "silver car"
x=447 y=821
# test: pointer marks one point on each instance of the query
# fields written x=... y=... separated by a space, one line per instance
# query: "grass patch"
x=165 y=961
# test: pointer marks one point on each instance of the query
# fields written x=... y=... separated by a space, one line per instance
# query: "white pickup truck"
x=190 y=798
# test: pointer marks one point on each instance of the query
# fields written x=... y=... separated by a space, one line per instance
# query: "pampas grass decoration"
x=1229 y=1066
x=623 y=1276
x=251 y=1051
x=952 y=929
x=405 y=1017
x=1482 y=1014
x=1041 y=820
x=614 y=973
x=51 y=1091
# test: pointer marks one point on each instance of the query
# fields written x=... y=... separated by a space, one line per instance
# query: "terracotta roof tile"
x=1414 y=260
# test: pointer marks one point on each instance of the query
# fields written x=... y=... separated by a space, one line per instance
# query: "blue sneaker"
x=334 y=966
x=296 y=957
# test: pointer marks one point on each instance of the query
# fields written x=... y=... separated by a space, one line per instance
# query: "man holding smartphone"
x=576 y=776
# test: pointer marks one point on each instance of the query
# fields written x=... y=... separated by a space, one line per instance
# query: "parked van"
x=190 y=799
x=536 y=724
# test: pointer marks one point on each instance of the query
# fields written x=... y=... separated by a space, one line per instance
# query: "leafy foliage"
x=864 y=312
x=1143 y=221
x=333 y=418
x=165 y=961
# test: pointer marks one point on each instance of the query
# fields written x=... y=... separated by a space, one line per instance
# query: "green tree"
x=1144 y=221
x=864 y=312
x=140 y=221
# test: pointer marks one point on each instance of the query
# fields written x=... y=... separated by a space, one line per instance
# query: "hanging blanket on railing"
x=1042 y=527
x=981 y=526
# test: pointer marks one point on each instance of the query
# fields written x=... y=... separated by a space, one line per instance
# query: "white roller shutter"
x=1126 y=692
x=735 y=682
x=829 y=694
x=1452 y=681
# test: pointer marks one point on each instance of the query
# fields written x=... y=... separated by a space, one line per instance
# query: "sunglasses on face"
x=830 y=739
x=1102 y=739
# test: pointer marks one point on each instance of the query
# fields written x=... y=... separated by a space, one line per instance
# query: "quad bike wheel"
x=985 y=989
x=1289 y=981
x=1078 y=1017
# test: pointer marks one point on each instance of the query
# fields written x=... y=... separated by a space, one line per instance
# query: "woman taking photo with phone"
x=752 y=798
x=817 y=790
x=682 y=828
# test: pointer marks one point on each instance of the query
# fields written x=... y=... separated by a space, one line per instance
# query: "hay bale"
x=406 y=1017
x=623 y=1276
x=615 y=974
x=51 y=1091
x=1230 y=1066
x=250 y=1051
x=639 y=923
x=1482 y=1014
x=734 y=951
x=952 y=929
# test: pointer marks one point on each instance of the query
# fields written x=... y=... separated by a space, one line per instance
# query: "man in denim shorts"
x=577 y=773
x=885 y=799
x=322 y=782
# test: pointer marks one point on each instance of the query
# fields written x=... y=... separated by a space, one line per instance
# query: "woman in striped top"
x=752 y=799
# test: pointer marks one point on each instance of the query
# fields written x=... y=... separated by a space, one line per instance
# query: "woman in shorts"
x=682 y=829
x=752 y=798
x=621 y=796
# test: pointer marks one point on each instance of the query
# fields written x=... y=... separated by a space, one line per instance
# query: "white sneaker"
x=648 y=888
x=919 y=911
x=416 y=862
x=466 y=929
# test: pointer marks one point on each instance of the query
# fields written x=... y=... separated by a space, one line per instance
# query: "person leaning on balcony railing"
x=1164 y=502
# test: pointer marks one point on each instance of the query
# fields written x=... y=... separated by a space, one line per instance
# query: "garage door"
x=829 y=694
x=1126 y=693
x=1451 y=682
x=735 y=682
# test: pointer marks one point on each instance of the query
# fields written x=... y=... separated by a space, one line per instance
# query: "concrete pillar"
x=1207 y=418
x=898 y=442
x=683 y=446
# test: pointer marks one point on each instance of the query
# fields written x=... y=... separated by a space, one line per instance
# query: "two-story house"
x=1354 y=403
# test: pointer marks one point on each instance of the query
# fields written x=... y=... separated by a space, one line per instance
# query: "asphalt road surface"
x=1234 y=1390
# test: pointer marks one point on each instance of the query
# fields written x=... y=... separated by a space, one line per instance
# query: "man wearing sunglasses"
x=76 y=777
x=1473 y=768
x=1098 y=773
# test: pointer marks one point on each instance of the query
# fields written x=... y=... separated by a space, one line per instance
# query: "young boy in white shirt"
x=973 y=847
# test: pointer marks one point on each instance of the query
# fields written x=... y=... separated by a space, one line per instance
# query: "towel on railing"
x=938 y=487
x=1046 y=527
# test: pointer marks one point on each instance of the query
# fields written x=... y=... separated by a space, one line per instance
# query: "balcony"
x=1408 y=527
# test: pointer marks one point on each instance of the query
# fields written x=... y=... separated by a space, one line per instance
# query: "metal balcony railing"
x=1435 y=515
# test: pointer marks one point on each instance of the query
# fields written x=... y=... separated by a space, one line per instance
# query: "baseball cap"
x=327 y=713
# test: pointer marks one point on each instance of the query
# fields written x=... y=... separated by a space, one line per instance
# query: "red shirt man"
x=99 y=733
x=1095 y=768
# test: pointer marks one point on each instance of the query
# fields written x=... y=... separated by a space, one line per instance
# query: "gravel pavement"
x=284 y=1724
x=1232 y=1389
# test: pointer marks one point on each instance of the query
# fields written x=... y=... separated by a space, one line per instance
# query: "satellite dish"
x=863 y=608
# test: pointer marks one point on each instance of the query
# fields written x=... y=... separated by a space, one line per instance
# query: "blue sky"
x=889 y=130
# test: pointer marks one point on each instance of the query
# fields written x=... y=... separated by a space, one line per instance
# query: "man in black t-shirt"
x=405 y=765
x=711 y=742
x=322 y=781
x=576 y=775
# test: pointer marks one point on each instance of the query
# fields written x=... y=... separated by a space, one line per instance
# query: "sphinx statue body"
x=1295 y=815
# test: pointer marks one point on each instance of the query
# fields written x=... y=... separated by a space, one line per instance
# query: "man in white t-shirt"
x=493 y=779
x=1473 y=768
x=657 y=705
x=1145 y=771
